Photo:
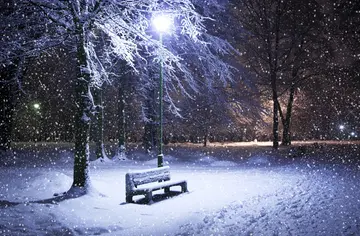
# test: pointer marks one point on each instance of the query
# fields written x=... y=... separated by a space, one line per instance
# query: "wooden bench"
x=144 y=182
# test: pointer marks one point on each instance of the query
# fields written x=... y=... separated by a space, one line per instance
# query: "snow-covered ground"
x=234 y=190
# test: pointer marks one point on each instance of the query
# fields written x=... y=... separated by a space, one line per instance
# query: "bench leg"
x=149 y=197
x=184 y=187
x=129 y=198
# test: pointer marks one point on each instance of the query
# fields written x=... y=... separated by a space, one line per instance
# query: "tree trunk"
x=99 y=124
x=286 y=139
x=206 y=134
x=84 y=102
x=275 y=112
x=120 y=154
x=205 y=139
x=275 y=125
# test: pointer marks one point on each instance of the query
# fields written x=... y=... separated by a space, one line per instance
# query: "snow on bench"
x=150 y=180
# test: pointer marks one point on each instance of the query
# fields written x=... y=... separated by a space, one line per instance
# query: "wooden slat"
x=133 y=179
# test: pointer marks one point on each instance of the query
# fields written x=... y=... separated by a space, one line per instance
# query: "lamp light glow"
x=162 y=23
x=37 y=106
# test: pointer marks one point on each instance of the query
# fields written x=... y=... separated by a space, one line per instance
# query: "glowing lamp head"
x=162 y=23
x=37 y=106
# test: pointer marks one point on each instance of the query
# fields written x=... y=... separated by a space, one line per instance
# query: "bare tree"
x=281 y=42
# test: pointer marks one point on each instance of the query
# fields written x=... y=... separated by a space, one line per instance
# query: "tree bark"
x=121 y=121
x=206 y=134
x=99 y=124
x=275 y=112
x=84 y=107
x=205 y=140
x=286 y=139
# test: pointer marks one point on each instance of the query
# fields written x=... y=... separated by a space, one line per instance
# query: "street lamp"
x=341 y=127
x=162 y=24
x=36 y=107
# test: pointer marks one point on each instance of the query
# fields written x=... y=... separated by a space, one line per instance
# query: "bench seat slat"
x=156 y=186
x=149 y=175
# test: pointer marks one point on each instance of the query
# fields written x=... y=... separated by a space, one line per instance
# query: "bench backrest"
x=136 y=178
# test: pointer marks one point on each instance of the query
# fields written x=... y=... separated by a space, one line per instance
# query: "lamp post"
x=36 y=107
x=37 y=113
x=162 y=24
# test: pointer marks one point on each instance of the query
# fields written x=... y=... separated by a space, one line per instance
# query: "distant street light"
x=162 y=23
x=341 y=127
x=37 y=106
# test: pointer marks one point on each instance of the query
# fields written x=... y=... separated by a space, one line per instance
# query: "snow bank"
x=207 y=160
x=259 y=160
x=49 y=182
x=168 y=159
x=223 y=163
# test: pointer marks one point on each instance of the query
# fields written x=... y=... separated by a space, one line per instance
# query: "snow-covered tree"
x=127 y=26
